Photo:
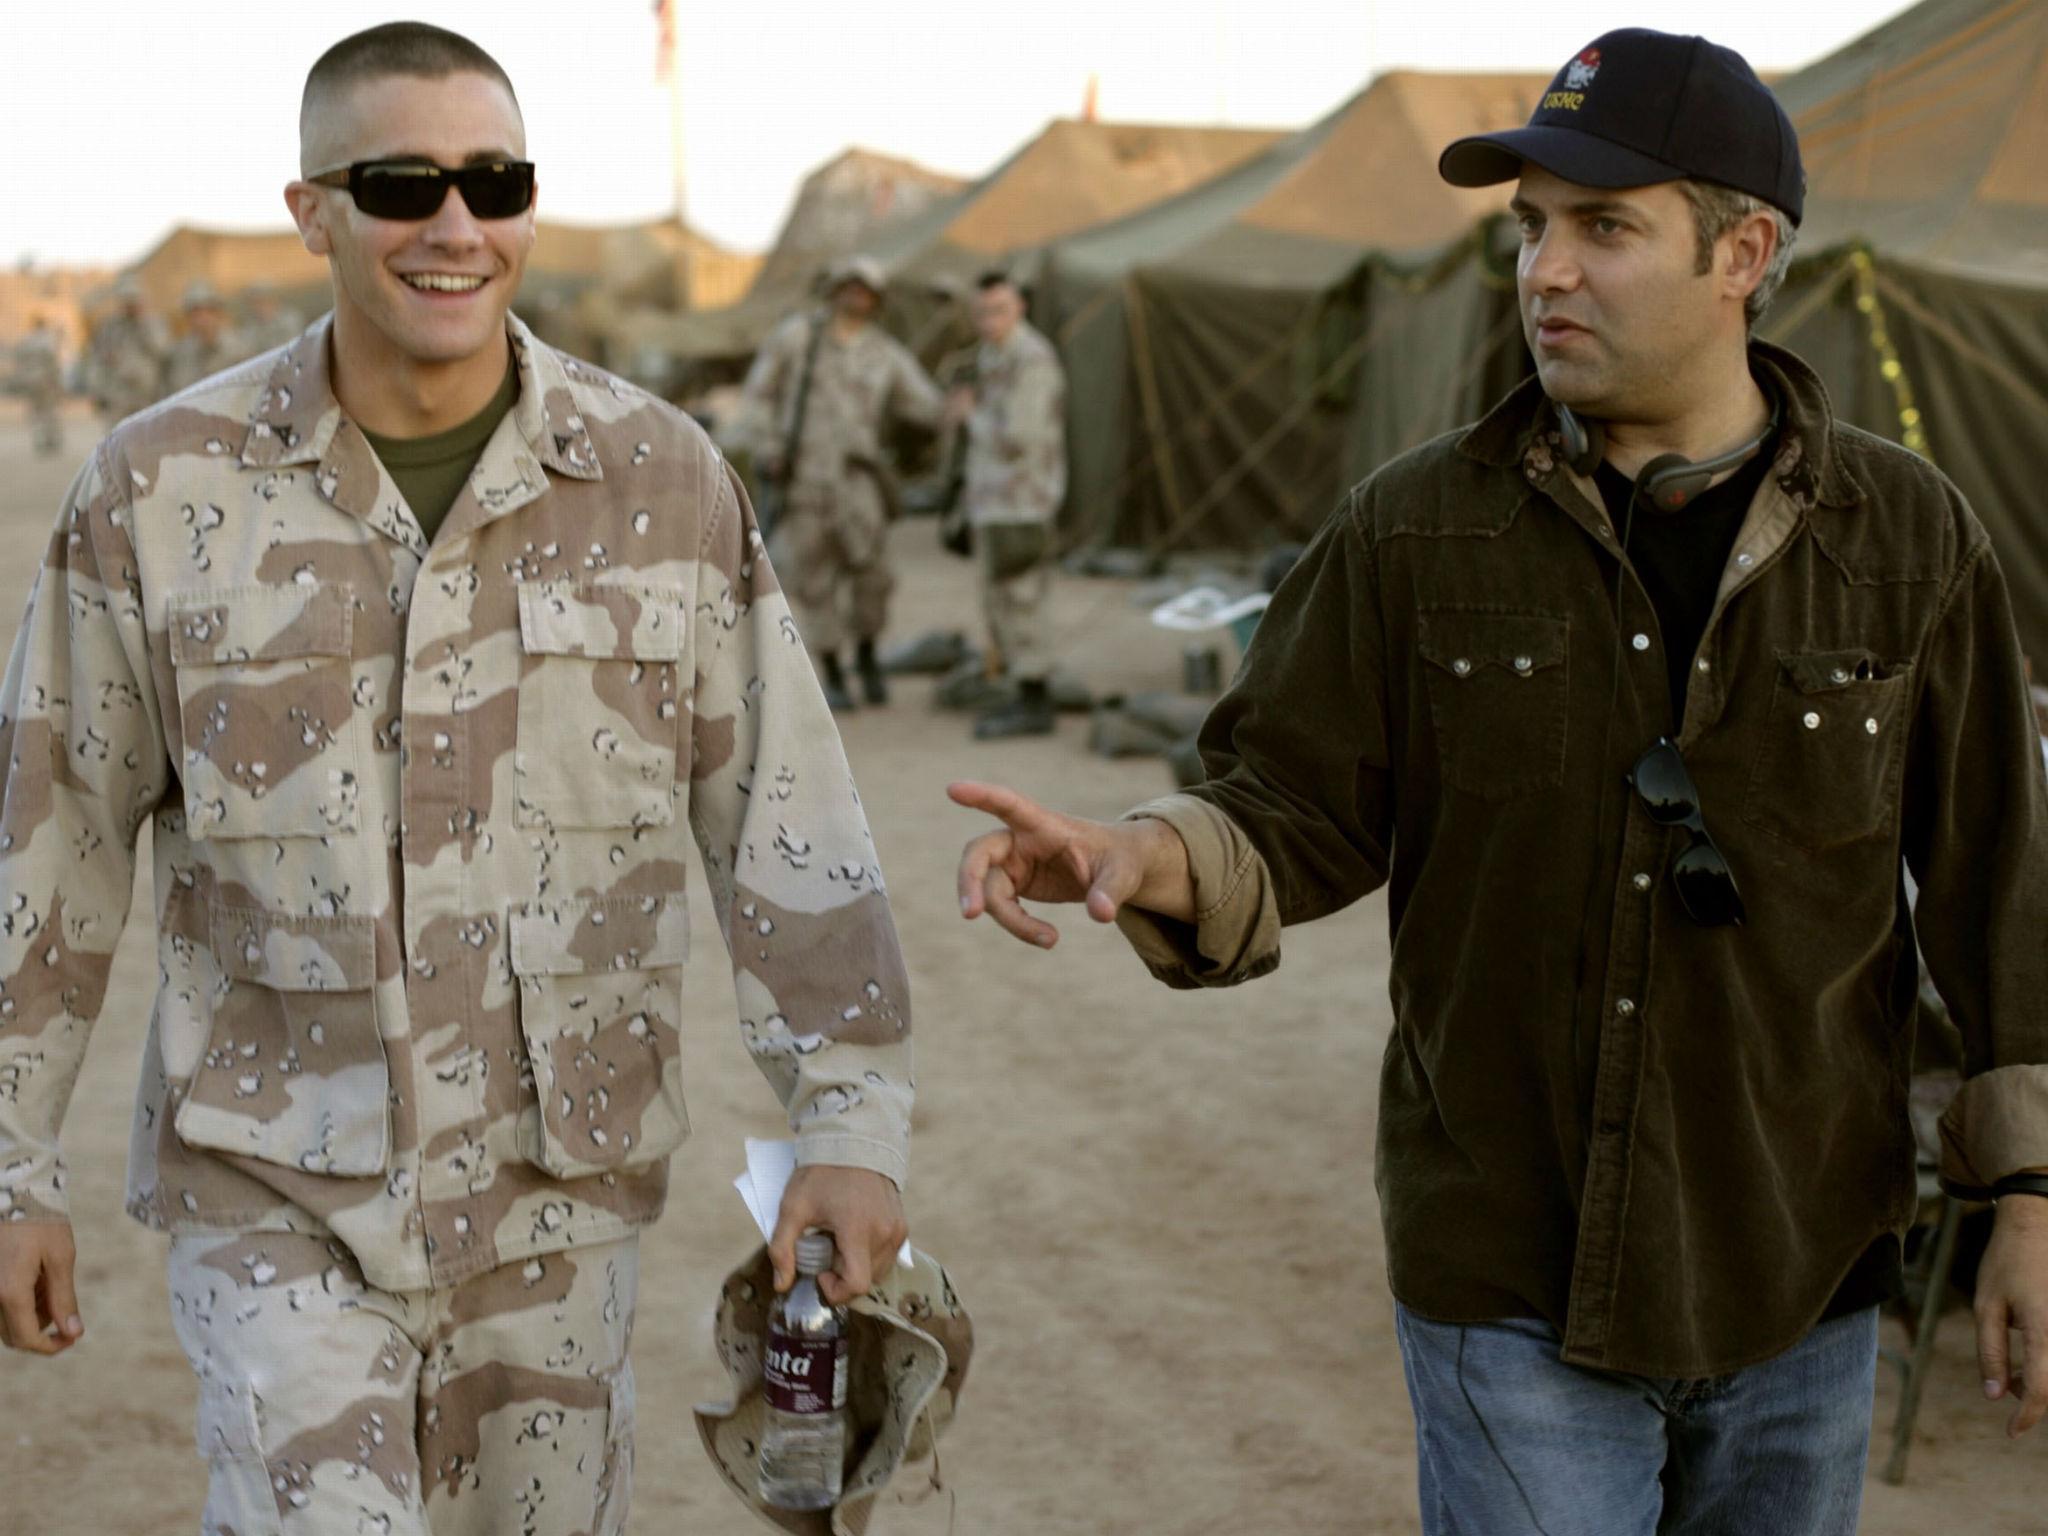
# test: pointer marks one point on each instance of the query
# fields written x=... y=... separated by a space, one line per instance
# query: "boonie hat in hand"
x=1636 y=107
x=907 y=1358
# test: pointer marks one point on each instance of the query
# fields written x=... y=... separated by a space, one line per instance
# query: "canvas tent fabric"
x=1068 y=177
x=1238 y=353
x=1920 y=290
x=842 y=205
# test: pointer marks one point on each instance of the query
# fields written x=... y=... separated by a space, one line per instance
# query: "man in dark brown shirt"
x=1638 y=695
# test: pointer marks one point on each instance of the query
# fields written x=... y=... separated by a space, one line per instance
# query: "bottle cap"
x=814 y=1253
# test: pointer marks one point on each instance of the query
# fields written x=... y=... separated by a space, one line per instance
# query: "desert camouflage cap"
x=911 y=1341
x=200 y=294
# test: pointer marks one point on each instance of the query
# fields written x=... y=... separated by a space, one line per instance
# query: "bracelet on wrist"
x=2021 y=1184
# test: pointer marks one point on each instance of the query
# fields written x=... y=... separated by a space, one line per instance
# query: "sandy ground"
x=1158 y=1205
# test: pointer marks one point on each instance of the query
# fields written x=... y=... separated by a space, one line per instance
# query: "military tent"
x=1071 y=175
x=1236 y=353
x=1921 y=286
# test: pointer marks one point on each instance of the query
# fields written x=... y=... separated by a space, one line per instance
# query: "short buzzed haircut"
x=397 y=48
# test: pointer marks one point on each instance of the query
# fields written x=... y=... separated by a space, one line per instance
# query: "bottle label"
x=804 y=1375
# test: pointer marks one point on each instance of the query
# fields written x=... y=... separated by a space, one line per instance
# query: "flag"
x=665 y=38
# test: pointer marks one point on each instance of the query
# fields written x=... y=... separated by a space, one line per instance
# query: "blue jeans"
x=1511 y=1441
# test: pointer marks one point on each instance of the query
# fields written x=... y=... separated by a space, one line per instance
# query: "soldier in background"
x=816 y=401
x=124 y=366
x=1015 y=415
x=208 y=346
x=39 y=378
x=268 y=323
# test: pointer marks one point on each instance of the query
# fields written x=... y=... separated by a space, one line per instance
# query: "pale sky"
x=123 y=117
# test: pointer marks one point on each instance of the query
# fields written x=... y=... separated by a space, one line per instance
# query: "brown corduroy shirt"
x=1670 y=1141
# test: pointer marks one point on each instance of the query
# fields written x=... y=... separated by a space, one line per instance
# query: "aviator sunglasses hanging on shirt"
x=1701 y=876
x=411 y=190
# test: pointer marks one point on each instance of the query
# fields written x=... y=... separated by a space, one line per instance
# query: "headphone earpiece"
x=1584 y=443
x=1671 y=480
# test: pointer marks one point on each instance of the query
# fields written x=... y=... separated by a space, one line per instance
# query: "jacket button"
x=1812 y=721
x=1839 y=675
x=1524 y=665
x=1641 y=642
x=1870 y=725
x=1462 y=667
x=1641 y=882
x=1745 y=561
x=1704 y=665
x=1626 y=1007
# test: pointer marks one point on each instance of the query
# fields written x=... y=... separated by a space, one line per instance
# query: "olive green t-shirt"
x=430 y=470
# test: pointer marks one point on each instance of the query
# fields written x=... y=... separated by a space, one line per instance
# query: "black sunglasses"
x=1706 y=885
x=411 y=190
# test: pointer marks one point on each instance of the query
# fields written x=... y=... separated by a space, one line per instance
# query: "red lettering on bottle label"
x=804 y=1375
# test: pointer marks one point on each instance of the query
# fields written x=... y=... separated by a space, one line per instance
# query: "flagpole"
x=672 y=68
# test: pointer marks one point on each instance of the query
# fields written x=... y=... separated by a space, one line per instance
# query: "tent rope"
x=1092 y=616
x=1148 y=394
x=1962 y=344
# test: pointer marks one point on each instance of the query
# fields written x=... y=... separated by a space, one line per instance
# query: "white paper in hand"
x=770 y=1165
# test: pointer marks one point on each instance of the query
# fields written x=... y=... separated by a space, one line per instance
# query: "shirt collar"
x=1522 y=429
x=296 y=417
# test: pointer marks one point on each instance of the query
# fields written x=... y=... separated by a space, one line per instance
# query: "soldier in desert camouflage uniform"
x=39 y=376
x=832 y=540
x=124 y=365
x=1015 y=414
x=420 y=800
x=267 y=322
x=207 y=346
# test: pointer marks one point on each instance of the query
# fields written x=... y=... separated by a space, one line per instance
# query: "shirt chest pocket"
x=265 y=708
x=294 y=1071
x=600 y=1001
x=599 y=704
x=1496 y=689
x=1828 y=758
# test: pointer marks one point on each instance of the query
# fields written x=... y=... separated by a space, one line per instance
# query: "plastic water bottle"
x=803 y=1442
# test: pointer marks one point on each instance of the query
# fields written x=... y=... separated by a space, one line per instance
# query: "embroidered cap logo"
x=1580 y=72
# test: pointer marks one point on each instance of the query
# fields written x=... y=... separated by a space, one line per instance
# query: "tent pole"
x=1148 y=393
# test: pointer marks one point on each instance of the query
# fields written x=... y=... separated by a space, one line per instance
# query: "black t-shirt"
x=1679 y=557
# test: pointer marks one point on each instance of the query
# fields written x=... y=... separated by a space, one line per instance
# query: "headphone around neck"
x=1669 y=481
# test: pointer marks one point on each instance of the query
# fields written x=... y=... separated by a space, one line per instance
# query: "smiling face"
x=427 y=294
x=1615 y=311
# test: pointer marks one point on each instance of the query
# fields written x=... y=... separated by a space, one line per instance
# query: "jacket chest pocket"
x=1826 y=768
x=599 y=704
x=600 y=1001
x=265 y=706
x=294 y=1070
x=1496 y=686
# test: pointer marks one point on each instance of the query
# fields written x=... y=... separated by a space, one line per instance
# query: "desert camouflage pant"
x=46 y=427
x=1015 y=565
x=328 y=1407
x=831 y=554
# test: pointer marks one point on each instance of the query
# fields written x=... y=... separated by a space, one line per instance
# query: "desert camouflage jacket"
x=1017 y=436
x=124 y=365
x=857 y=387
x=419 y=820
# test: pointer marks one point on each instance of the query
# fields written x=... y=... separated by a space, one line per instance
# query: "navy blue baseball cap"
x=1637 y=107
